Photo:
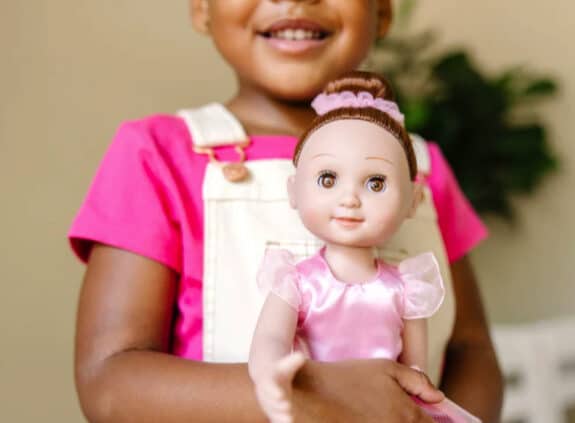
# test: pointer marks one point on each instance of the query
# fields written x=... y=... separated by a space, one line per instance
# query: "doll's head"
x=355 y=165
x=290 y=49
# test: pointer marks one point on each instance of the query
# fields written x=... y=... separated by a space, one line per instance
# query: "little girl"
x=354 y=185
x=178 y=218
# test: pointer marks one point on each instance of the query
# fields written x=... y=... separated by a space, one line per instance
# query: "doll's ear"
x=417 y=198
x=291 y=191
x=200 y=15
x=384 y=15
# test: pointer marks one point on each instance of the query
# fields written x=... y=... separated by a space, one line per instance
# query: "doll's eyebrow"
x=322 y=154
x=379 y=158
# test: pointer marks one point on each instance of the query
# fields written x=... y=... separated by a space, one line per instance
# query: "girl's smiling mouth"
x=294 y=35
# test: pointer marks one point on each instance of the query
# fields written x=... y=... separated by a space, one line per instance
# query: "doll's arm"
x=271 y=366
x=414 y=353
x=273 y=336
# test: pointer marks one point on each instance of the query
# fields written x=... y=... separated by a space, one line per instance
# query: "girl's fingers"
x=414 y=367
x=415 y=382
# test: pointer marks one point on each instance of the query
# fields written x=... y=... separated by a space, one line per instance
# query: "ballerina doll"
x=354 y=184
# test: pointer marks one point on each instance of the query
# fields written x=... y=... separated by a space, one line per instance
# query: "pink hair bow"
x=325 y=103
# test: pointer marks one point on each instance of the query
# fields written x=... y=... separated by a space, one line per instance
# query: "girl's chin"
x=296 y=89
x=294 y=47
x=295 y=82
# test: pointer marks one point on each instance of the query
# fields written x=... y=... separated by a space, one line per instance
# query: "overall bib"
x=243 y=218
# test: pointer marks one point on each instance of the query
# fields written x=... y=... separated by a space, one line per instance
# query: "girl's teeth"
x=296 y=34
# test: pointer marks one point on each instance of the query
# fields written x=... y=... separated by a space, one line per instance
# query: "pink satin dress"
x=338 y=320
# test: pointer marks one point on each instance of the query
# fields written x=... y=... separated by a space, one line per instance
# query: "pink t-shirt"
x=146 y=198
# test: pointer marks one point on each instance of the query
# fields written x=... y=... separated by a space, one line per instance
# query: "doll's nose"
x=350 y=199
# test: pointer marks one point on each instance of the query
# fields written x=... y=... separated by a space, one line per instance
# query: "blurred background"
x=72 y=70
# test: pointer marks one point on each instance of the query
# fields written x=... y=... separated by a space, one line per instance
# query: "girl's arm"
x=124 y=372
x=472 y=377
x=414 y=353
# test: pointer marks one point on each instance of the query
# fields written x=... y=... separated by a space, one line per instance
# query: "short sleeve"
x=423 y=290
x=129 y=205
x=278 y=274
x=461 y=227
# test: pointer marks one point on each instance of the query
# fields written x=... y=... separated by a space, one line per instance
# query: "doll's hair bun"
x=358 y=81
x=364 y=96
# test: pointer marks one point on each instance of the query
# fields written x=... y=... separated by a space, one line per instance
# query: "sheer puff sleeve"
x=278 y=274
x=423 y=289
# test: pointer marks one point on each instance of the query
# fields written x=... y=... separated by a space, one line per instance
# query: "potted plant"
x=484 y=124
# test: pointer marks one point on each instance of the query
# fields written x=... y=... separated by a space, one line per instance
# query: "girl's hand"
x=274 y=390
x=361 y=391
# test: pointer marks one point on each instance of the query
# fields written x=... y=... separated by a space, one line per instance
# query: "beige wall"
x=70 y=70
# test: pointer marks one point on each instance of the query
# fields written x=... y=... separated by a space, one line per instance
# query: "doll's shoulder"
x=422 y=286
x=310 y=265
x=278 y=274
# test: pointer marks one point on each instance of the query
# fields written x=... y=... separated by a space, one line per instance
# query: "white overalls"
x=242 y=218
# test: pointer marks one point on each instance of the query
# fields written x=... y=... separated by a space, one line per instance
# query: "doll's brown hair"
x=378 y=87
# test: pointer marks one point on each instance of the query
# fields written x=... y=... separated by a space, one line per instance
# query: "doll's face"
x=352 y=185
x=290 y=48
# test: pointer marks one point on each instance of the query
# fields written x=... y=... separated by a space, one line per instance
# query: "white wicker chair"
x=557 y=342
x=538 y=361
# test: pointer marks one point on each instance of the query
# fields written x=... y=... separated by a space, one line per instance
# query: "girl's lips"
x=295 y=23
x=294 y=46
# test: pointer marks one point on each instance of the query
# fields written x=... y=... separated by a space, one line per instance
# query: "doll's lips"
x=294 y=35
x=348 y=222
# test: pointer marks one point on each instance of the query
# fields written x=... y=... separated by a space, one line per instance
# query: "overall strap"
x=421 y=155
x=213 y=125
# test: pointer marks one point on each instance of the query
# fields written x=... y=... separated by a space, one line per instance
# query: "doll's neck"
x=261 y=114
x=350 y=264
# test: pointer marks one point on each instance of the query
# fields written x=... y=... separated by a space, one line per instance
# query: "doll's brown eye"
x=376 y=183
x=326 y=180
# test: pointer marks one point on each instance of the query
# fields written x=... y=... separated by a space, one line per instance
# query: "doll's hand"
x=274 y=390
x=363 y=391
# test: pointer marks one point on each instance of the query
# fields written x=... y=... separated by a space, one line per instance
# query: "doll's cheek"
x=314 y=219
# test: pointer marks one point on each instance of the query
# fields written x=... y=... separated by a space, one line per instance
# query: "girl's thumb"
x=417 y=383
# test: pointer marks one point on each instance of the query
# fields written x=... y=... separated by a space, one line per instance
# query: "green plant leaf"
x=541 y=87
x=447 y=98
